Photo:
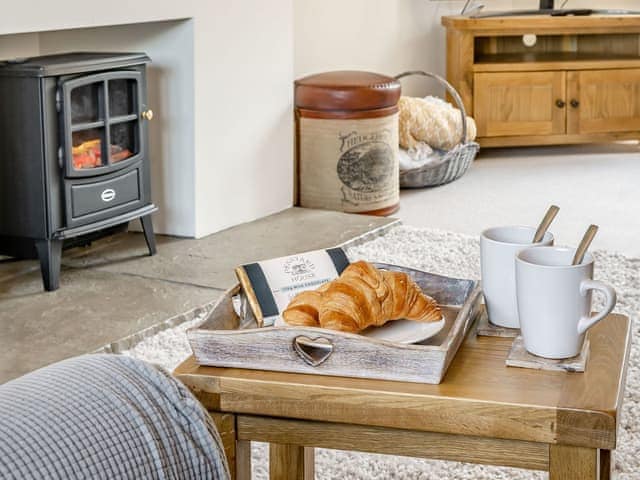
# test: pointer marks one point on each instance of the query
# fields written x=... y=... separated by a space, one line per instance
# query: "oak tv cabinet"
x=542 y=80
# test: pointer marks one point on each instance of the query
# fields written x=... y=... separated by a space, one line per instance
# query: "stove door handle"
x=60 y=157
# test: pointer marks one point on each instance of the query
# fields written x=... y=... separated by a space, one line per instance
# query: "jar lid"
x=346 y=90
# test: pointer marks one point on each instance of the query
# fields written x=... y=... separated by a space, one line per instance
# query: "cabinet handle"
x=574 y=103
x=560 y=103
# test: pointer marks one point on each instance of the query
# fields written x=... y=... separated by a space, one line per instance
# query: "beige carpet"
x=591 y=183
x=456 y=255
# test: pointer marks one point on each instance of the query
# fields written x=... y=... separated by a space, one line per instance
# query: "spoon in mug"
x=584 y=244
x=544 y=224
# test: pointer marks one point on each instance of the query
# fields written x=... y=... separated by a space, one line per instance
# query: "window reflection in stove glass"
x=86 y=104
x=123 y=141
x=121 y=97
x=87 y=148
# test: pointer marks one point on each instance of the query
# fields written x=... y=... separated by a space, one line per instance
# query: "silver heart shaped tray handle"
x=313 y=351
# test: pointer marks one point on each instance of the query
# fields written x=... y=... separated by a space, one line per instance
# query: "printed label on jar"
x=349 y=165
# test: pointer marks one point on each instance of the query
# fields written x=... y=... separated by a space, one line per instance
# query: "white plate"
x=405 y=331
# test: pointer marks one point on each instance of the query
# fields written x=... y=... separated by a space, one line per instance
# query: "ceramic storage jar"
x=347 y=142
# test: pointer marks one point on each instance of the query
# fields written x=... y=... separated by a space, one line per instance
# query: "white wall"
x=221 y=80
x=23 y=45
x=244 y=132
x=385 y=36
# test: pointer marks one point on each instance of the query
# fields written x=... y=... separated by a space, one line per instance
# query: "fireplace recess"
x=74 y=161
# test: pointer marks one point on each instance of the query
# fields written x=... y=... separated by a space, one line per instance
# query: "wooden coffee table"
x=483 y=412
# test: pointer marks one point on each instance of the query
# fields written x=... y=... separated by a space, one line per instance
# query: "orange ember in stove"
x=89 y=154
x=118 y=153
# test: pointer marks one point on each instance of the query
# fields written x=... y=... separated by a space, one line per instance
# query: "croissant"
x=361 y=297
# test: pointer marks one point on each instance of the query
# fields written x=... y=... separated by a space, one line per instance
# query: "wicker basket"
x=455 y=161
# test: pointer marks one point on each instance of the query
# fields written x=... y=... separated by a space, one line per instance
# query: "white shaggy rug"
x=455 y=255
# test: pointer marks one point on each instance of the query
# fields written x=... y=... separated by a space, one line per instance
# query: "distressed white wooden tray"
x=227 y=339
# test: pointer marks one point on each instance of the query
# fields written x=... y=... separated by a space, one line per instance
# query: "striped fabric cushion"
x=105 y=416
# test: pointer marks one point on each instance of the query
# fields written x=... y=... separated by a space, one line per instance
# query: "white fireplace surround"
x=220 y=86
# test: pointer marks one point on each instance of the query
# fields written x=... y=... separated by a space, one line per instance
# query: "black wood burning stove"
x=74 y=159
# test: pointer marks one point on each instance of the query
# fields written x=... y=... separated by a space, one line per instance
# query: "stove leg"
x=149 y=236
x=50 y=254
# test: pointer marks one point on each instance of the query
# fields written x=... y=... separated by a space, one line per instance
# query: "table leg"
x=243 y=460
x=238 y=452
x=573 y=463
x=605 y=464
x=226 y=425
x=290 y=462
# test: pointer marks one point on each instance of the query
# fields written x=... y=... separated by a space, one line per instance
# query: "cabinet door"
x=602 y=101
x=519 y=103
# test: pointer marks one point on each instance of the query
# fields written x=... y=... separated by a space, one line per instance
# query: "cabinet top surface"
x=535 y=23
x=477 y=376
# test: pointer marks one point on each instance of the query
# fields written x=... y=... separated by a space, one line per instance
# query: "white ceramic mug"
x=498 y=249
x=554 y=300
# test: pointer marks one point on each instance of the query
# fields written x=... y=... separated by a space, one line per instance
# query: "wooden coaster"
x=519 y=357
x=487 y=329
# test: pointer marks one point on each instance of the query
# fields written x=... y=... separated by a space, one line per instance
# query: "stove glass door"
x=101 y=122
x=87 y=125
x=124 y=118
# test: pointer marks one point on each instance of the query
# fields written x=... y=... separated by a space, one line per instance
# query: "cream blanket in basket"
x=433 y=121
